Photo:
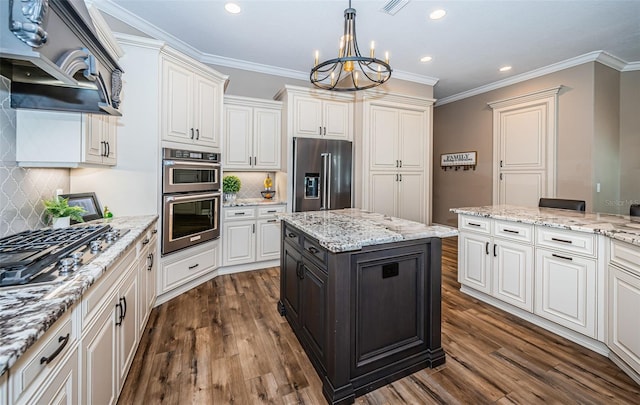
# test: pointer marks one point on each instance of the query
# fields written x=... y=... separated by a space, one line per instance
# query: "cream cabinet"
x=180 y=268
x=395 y=152
x=315 y=113
x=624 y=301
x=88 y=139
x=147 y=268
x=496 y=258
x=252 y=133
x=191 y=101
x=251 y=234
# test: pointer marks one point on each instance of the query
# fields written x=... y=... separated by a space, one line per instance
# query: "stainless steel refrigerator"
x=321 y=174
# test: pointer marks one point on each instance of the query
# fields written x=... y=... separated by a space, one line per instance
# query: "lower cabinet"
x=250 y=234
x=62 y=388
x=624 y=302
x=147 y=268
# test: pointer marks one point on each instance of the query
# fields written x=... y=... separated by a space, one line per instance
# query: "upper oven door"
x=184 y=176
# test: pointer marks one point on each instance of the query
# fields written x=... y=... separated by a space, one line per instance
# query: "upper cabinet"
x=252 y=129
x=191 y=102
x=63 y=139
x=317 y=113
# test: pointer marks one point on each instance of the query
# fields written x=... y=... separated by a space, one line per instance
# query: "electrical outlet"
x=597 y=187
x=58 y=191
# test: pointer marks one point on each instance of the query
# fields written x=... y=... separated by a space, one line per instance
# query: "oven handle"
x=170 y=198
x=189 y=163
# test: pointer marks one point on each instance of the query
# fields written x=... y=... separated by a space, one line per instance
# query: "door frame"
x=549 y=98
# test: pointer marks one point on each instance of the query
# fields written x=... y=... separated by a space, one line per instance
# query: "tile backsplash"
x=21 y=189
x=252 y=183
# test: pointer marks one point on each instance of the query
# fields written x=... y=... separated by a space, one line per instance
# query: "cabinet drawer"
x=569 y=241
x=181 y=271
x=513 y=231
x=475 y=224
x=264 y=212
x=44 y=356
x=292 y=234
x=314 y=250
x=239 y=213
x=626 y=256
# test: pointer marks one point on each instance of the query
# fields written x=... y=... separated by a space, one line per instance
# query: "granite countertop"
x=620 y=227
x=27 y=312
x=351 y=229
x=244 y=202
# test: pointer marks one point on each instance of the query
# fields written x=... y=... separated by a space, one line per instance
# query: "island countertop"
x=619 y=227
x=27 y=312
x=352 y=228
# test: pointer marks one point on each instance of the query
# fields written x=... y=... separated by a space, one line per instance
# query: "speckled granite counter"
x=620 y=227
x=352 y=228
x=243 y=202
x=27 y=312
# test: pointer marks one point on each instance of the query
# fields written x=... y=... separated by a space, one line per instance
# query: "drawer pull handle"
x=150 y=261
x=64 y=340
x=272 y=220
x=291 y=235
x=239 y=213
x=511 y=231
x=271 y=211
x=495 y=253
x=194 y=266
x=473 y=224
x=312 y=250
x=119 y=306
x=561 y=240
x=486 y=247
x=561 y=257
x=154 y=231
x=145 y=241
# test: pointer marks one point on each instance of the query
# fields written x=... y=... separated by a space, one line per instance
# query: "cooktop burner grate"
x=45 y=238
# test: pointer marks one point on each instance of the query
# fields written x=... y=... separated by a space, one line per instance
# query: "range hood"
x=54 y=59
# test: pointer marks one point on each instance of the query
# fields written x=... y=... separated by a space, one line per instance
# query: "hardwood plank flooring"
x=225 y=343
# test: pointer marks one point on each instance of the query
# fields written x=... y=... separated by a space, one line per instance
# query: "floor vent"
x=393 y=6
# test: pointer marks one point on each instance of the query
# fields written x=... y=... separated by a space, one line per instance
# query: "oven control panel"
x=190 y=155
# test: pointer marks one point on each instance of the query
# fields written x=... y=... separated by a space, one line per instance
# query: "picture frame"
x=88 y=201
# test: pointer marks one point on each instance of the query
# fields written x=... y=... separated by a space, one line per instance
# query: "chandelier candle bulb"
x=333 y=78
x=386 y=57
x=373 y=46
x=315 y=63
x=355 y=79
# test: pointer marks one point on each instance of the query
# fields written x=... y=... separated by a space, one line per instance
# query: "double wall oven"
x=191 y=200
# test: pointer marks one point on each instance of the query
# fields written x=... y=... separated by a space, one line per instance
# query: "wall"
x=629 y=140
x=467 y=125
x=21 y=190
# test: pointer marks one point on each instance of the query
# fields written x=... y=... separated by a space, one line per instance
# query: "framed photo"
x=88 y=201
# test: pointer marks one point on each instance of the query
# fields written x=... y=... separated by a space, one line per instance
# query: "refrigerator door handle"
x=325 y=181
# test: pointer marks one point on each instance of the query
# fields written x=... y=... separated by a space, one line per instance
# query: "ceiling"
x=468 y=45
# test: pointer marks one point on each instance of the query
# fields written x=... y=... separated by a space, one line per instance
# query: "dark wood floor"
x=224 y=343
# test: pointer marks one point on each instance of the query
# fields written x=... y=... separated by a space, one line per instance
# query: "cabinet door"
x=624 y=323
x=382 y=193
x=412 y=139
x=206 y=103
x=336 y=119
x=128 y=328
x=383 y=141
x=110 y=136
x=313 y=303
x=307 y=119
x=565 y=290
x=411 y=191
x=152 y=275
x=177 y=102
x=474 y=261
x=513 y=273
x=239 y=241
x=95 y=147
x=99 y=355
x=61 y=387
x=290 y=282
x=268 y=239
x=238 y=137
x=141 y=270
x=266 y=138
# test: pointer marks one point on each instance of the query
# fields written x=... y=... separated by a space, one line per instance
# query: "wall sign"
x=465 y=160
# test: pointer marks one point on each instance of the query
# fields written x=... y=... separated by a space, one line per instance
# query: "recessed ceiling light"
x=437 y=14
x=232 y=8
x=505 y=68
x=426 y=59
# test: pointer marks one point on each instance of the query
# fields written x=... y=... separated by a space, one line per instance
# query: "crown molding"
x=252 y=66
x=631 y=66
x=412 y=77
x=612 y=61
x=141 y=42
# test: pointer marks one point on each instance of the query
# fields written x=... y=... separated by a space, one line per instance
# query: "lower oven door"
x=189 y=219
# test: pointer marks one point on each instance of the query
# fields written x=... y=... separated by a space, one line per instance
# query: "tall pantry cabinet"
x=395 y=155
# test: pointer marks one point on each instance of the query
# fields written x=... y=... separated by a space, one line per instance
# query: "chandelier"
x=350 y=71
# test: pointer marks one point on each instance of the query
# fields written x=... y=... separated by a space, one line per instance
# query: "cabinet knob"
x=312 y=250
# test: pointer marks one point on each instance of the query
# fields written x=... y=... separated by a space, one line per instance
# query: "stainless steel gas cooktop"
x=50 y=254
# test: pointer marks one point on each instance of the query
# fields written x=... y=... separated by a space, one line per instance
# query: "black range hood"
x=54 y=59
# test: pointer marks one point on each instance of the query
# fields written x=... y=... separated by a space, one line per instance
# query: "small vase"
x=61 y=222
x=230 y=197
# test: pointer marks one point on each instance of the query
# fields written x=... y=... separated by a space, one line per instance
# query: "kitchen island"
x=362 y=292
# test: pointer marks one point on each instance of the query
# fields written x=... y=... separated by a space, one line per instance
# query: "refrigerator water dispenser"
x=311 y=182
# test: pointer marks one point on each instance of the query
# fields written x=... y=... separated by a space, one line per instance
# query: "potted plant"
x=61 y=212
x=230 y=186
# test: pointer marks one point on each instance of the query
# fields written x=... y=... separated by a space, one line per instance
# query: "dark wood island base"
x=365 y=317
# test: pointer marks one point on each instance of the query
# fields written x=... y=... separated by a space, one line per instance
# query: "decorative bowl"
x=268 y=194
